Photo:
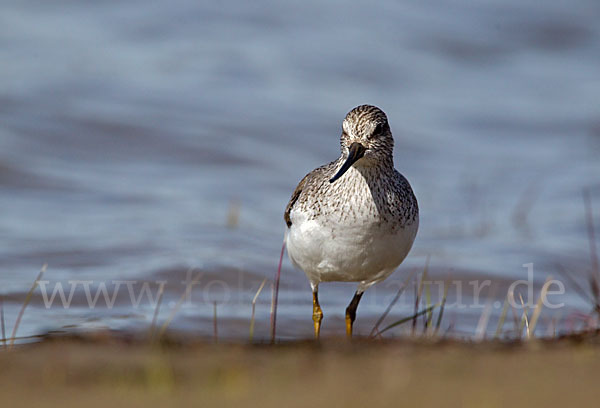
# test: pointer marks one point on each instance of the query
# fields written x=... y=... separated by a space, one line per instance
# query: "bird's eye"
x=378 y=129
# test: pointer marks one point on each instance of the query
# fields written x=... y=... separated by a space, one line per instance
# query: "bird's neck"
x=371 y=171
x=379 y=164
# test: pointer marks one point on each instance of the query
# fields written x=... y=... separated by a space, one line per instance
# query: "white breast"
x=360 y=251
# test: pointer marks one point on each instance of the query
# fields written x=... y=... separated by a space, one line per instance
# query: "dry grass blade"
x=233 y=214
x=276 y=292
x=184 y=296
x=260 y=288
x=539 y=305
x=524 y=206
x=418 y=296
x=516 y=320
x=502 y=318
x=215 y=325
x=25 y=303
x=272 y=297
x=429 y=316
x=2 y=321
x=595 y=275
x=553 y=325
x=409 y=318
x=573 y=283
x=524 y=319
x=156 y=310
x=442 y=307
x=392 y=303
x=484 y=320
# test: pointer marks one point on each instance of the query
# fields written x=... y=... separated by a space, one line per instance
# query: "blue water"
x=131 y=131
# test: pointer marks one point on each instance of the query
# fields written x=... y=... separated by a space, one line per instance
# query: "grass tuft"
x=375 y=330
x=409 y=318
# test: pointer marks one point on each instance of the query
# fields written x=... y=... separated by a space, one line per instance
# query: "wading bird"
x=354 y=219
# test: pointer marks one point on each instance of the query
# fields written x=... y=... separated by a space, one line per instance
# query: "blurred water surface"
x=139 y=139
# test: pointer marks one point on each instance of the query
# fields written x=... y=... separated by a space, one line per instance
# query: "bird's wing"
x=319 y=175
x=293 y=199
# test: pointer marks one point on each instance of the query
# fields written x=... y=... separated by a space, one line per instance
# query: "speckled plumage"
x=360 y=227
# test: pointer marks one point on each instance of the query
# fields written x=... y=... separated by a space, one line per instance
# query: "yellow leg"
x=351 y=313
x=317 y=314
x=348 y=325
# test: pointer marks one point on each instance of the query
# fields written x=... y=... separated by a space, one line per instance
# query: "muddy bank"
x=107 y=369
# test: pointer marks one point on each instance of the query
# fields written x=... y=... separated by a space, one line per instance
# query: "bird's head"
x=366 y=138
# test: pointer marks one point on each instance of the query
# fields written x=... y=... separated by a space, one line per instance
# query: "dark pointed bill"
x=355 y=152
